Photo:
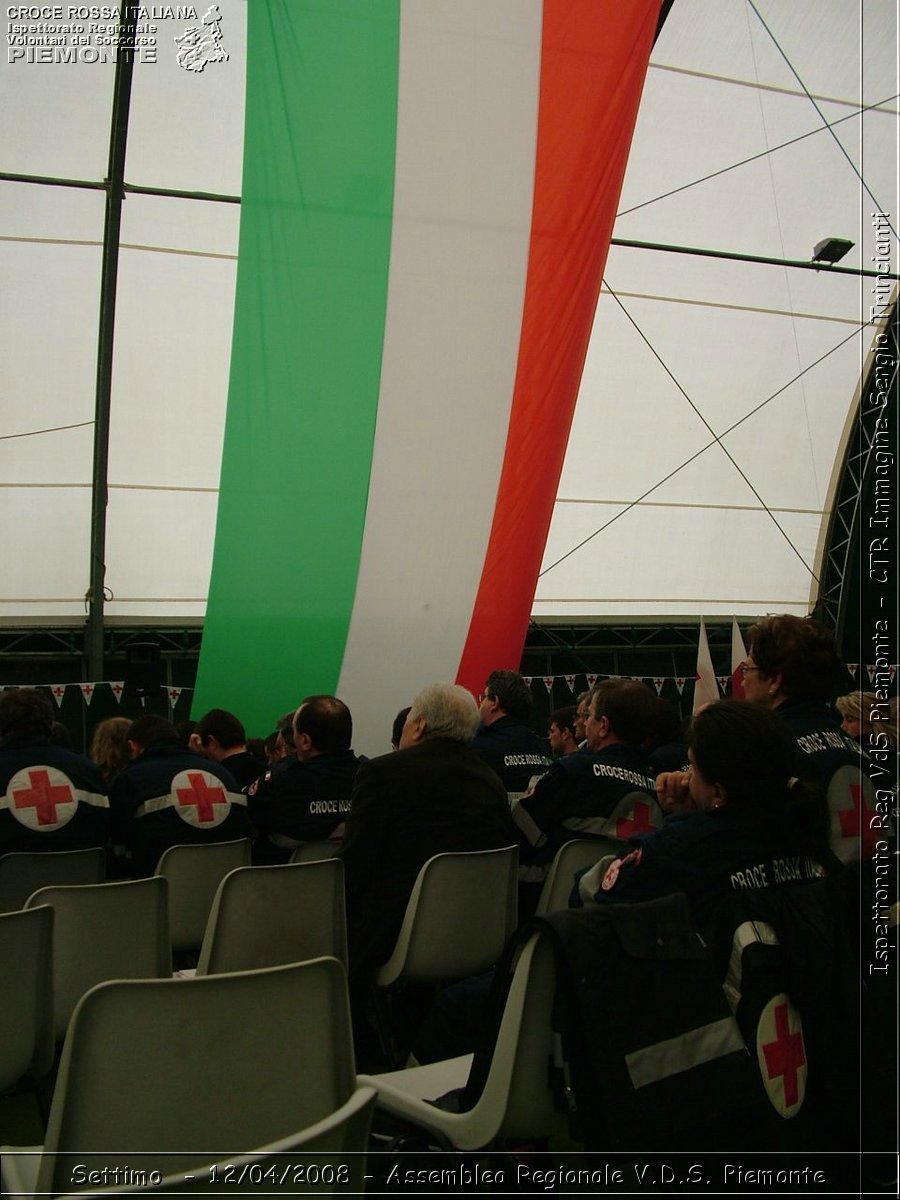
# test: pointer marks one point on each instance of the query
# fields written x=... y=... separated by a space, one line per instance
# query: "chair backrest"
x=22 y=874
x=163 y=1074
x=194 y=872
x=517 y=1098
x=314 y=851
x=572 y=857
x=327 y=1159
x=265 y=916
x=26 y=997
x=460 y=914
x=105 y=931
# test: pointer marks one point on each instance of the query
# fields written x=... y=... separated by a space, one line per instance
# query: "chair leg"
x=382 y=1012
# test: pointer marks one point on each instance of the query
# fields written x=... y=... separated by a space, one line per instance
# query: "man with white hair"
x=432 y=797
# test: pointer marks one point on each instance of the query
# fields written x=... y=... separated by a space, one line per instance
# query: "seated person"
x=791 y=668
x=606 y=790
x=504 y=739
x=170 y=796
x=561 y=731
x=751 y=824
x=306 y=797
x=434 y=796
x=50 y=797
x=220 y=736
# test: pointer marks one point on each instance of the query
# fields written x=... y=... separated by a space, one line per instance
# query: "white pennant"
x=87 y=690
x=174 y=694
x=659 y=685
x=591 y=680
x=570 y=680
x=117 y=689
x=679 y=683
x=853 y=668
x=58 y=691
x=548 y=683
x=871 y=669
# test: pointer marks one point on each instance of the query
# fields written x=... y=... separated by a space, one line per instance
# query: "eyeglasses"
x=482 y=696
x=746 y=669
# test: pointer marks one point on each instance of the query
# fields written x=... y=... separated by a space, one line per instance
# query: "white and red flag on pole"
x=738 y=656
x=706 y=690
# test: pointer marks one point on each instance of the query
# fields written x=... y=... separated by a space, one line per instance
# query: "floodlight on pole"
x=831 y=250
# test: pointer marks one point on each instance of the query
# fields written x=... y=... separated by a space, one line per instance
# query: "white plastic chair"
x=162 y=1074
x=460 y=914
x=572 y=857
x=104 y=931
x=194 y=873
x=326 y=1159
x=314 y=851
x=26 y=997
x=264 y=916
x=23 y=873
x=516 y=1100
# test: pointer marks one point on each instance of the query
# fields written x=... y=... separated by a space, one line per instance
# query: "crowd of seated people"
x=751 y=809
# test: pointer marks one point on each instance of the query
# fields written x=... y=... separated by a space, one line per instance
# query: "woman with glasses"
x=791 y=669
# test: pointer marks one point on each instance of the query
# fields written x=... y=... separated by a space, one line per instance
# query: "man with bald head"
x=308 y=798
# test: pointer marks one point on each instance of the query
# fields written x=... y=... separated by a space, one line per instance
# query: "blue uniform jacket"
x=303 y=801
x=170 y=796
x=515 y=752
x=610 y=793
x=50 y=798
x=707 y=855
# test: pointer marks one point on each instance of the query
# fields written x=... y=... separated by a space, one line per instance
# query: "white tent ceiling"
x=655 y=517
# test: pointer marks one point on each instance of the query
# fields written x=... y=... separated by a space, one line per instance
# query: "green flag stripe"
x=306 y=356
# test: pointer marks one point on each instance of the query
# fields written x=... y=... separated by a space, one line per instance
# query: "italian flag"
x=428 y=196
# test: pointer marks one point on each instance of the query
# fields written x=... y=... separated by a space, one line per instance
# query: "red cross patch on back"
x=41 y=798
x=852 y=807
x=200 y=799
x=782 y=1055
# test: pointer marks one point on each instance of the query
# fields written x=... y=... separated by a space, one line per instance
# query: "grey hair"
x=448 y=711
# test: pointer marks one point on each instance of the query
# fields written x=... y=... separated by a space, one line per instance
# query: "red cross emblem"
x=41 y=798
x=116 y=689
x=638 y=822
x=855 y=821
x=785 y=1057
x=200 y=798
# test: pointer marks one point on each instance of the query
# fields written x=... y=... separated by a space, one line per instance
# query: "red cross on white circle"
x=41 y=798
x=200 y=799
x=782 y=1054
x=856 y=822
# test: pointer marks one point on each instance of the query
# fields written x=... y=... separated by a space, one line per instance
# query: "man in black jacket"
x=434 y=796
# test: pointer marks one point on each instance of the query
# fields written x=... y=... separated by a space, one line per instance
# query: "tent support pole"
x=115 y=191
